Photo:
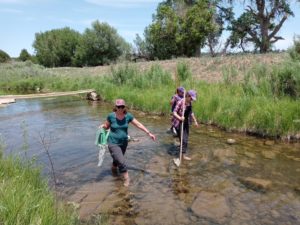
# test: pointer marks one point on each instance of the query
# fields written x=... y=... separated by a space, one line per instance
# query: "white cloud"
x=122 y=3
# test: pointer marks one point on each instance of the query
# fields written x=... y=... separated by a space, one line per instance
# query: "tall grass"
x=25 y=197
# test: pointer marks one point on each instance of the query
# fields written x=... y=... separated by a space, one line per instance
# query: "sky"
x=20 y=20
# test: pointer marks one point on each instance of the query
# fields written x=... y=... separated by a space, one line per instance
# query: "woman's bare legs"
x=126 y=179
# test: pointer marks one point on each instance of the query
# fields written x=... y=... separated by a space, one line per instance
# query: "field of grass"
x=257 y=94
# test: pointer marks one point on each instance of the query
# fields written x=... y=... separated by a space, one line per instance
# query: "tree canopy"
x=99 y=45
x=24 y=55
x=179 y=28
x=56 y=47
x=260 y=24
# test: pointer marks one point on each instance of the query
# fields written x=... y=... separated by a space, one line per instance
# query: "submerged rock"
x=211 y=206
x=231 y=141
x=268 y=154
x=256 y=184
x=297 y=190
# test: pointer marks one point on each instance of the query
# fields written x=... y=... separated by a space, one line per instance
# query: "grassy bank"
x=26 y=198
x=258 y=99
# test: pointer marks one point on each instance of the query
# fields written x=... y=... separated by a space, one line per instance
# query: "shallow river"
x=254 y=181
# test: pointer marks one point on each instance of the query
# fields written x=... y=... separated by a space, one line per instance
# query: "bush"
x=285 y=80
x=24 y=55
x=183 y=71
x=4 y=57
x=295 y=51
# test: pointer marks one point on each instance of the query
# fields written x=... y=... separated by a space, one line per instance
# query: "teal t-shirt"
x=118 y=128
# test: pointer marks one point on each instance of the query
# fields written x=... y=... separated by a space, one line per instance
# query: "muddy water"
x=251 y=182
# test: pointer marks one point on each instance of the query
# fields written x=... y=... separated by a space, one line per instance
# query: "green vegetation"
x=178 y=29
x=264 y=100
x=4 y=57
x=24 y=55
x=98 y=45
x=295 y=50
x=25 y=197
x=56 y=47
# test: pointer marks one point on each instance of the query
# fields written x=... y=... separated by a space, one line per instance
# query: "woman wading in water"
x=118 y=122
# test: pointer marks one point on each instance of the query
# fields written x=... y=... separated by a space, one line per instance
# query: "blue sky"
x=21 y=19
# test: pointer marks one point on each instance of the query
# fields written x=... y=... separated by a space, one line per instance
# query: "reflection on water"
x=254 y=181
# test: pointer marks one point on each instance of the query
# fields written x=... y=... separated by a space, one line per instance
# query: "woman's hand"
x=152 y=136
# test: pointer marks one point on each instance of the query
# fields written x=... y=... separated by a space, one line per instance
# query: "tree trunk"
x=198 y=52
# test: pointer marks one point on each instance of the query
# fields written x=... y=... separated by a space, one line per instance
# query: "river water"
x=253 y=181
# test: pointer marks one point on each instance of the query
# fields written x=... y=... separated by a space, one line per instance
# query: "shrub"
x=4 y=57
x=24 y=55
x=183 y=71
x=285 y=80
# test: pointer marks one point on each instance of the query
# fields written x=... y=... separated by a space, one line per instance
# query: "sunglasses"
x=121 y=106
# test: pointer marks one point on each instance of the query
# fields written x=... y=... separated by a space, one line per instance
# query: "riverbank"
x=26 y=198
x=248 y=93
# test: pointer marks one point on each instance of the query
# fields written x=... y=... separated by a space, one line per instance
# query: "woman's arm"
x=106 y=125
x=139 y=125
x=181 y=118
x=195 y=120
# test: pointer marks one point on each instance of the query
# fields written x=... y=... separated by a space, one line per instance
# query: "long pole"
x=181 y=133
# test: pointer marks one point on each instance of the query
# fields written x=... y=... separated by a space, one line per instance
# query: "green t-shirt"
x=118 y=128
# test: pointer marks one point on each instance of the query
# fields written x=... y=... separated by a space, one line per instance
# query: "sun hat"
x=120 y=102
x=193 y=94
x=180 y=89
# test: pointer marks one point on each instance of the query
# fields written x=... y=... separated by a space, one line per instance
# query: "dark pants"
x=117 y=152
x=185 y=136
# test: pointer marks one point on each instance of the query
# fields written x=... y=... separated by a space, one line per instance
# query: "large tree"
x=162 y=35
x=56 y=47
x=260 y=23
x=99 y=45
x=179 y=28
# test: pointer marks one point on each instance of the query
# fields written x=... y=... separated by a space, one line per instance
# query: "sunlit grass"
x=26 y=199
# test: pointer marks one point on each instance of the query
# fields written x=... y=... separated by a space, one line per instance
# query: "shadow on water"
x=254 y=181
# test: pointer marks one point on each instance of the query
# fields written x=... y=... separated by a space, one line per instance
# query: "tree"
x=162 y=35
x=260 y=23
x=4 y=57
x=223 y=16
x=24 y=55
x=179 y=28
x=99 y=45
x=56 y=47
x=197 y=26
x=141 y=48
